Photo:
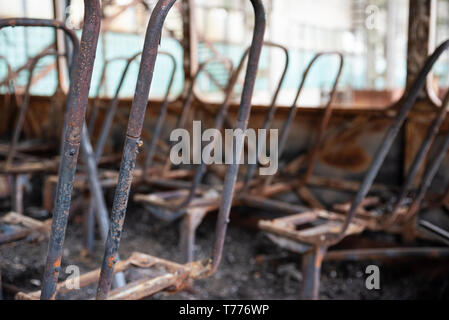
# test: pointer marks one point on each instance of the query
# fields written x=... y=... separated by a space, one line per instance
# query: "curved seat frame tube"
x=408 y=102
x=293 y=109
x=24 y=107
x=111 y=110
x=93 y=112
x=76 y=105
x=190 y=96
x=112 y=107
x=418 y=161
x=180 y=209
x=135 y=124
x=132 y=143
x=242 y=123
x=171 y=213
x=430 y=172
x=273 y=106
x=162 y=115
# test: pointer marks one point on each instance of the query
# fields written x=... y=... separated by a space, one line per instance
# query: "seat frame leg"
x=190 y=222
x=311 y=269
x=17 y=197
x=89 y=227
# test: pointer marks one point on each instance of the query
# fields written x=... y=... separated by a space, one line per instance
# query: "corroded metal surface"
x=81 y=74
x=132 y=141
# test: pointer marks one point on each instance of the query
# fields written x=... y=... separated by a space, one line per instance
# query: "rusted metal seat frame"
x=20 y=171
x=87 y=151
x=169 y=212
x=317 y=246
x=106 y=178
x=29 y=164
x=399 y=216
x=198 y=269
x=23 y=226
x=134 y=129
x=260 y=196
x=193 y=204
x=169 y=176
x=80 y=75
x=162 y=172
x=7 y=166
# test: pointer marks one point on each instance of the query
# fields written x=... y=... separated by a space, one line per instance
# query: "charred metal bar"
x=13 y=75
x=242 y=122
x=17 y=226
x=23 y=109
x=86 y=146
x=93 y=114
x=162 y=114
x=293 y=109
x=132 y=143
x=311 y=269
x=323 y=125
x=270 y=204
x=188 y=100
x=173 y=212
x=419 y=159
x=111 y=109
x=273 y=106
x=76 y=106
x=20 y=181
x=428 y=177
x=439 y=232
x=103 y=218
x=85 y=139
x=387 y=253
x=98 y=202
x=387 y=141
x=133 y=139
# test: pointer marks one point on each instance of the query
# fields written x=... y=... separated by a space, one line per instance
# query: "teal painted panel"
x=12 y=46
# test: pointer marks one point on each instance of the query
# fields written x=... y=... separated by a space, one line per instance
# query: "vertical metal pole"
x=132 y=143
x=271 y=110
x=97 y=192
x=76 y=108
x=190 y=39
x=293 y=109
x=242 y=123
x=60 y=43
x=421 y=39
x=311 y=270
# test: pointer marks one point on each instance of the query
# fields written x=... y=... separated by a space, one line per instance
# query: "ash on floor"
x=252 y=266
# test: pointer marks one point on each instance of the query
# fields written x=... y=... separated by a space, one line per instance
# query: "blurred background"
x=372 y=34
